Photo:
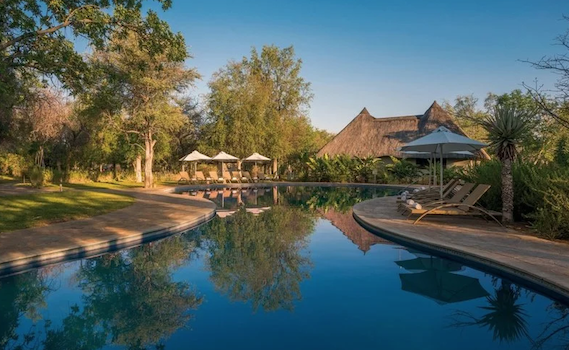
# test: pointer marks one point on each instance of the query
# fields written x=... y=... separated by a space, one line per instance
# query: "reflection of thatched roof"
x=378 y=137
x=353 y=231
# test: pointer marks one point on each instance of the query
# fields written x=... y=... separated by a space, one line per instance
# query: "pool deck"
x=541 y=264
x=154 y=214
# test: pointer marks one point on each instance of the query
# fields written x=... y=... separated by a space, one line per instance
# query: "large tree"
x=258 y=104
x=137 y=93
x=37 y=42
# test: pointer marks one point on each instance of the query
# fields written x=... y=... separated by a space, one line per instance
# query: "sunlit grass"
x=7 y=179
x=114 y=185
x=40 y=209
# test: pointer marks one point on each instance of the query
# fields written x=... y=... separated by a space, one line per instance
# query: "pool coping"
x=531 y=280
x=19 y=265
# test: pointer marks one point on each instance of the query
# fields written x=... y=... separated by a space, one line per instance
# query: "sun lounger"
x=466 y=207
x=246 y=176
x=215 y=178
x=199 y=177
x=429 y=202
x=184 y=177
x=229 y=177
x=432 y=192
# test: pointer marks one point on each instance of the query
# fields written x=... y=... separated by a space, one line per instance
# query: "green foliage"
x=12 y=164
x=403 y=170
x=343 y=168
x=541 y=193
x=259 y=105
x=507 y=127
x=561 y=156
x=36 y=176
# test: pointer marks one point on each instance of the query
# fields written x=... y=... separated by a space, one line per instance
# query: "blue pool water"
x=285 y=268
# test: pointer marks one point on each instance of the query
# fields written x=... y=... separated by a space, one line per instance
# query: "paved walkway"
x=154 y=214
x=545 y=264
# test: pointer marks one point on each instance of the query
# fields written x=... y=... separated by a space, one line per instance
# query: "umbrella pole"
x=441 y=172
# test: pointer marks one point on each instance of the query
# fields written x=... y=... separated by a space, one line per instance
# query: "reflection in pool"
x=296 y=272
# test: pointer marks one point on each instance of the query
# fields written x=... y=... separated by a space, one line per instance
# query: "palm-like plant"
x=507 y=127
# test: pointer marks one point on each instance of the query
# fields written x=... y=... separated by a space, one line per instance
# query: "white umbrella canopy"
x=442 y=141
x=194 y=157
x=224 y=157
x=256 y=157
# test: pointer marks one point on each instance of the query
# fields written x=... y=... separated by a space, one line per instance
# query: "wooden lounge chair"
x=215 y=178
x=236 y=175
x=246 y=176
x=229 y=177
x=467 y=207
x=264 y=177
x=199 y=177
x=184 y=177
x=454 y=198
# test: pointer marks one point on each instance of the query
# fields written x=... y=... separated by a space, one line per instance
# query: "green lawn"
x=115 y=185
x=40 y=209
x=7 y=179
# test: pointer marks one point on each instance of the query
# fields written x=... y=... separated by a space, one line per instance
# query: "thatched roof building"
x=381 y=137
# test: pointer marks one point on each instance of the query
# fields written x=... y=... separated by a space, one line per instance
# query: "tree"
x=507 y=127
x=138 y=92
x=259 y=103
x=467 y=115
x=34 y=46
x=558 y=64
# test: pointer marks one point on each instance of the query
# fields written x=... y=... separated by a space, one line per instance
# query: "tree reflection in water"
x=129 y=298
x=259 y=258
x=21 y=296
x=503 y=315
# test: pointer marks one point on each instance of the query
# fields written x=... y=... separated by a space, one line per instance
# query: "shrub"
x=36 y=176
x=541 y=193
x=403 y=170
x=12 y=164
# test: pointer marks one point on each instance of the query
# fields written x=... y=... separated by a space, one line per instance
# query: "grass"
x=114 y=185
x=7 y=179
x=40 y=209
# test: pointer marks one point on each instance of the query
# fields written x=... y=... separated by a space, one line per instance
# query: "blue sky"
x=393 y=57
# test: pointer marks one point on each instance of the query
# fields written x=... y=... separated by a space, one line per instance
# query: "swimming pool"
x=279 y=268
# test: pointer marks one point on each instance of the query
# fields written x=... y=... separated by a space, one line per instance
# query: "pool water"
x=279 y=268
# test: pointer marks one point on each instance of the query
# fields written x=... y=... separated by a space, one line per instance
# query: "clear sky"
x=393 y=57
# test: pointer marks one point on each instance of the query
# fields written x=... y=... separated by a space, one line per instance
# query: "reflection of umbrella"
x=443 y=141
x=195 y=157
x=432 y=263
x=224 y=157
x=443 y=287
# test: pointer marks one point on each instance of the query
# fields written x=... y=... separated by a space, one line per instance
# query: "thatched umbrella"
x=443 y=141
x=195 y=157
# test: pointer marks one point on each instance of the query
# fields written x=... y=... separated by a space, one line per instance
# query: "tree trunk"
x=149 y=159
x=507 y=191
x=138 y=168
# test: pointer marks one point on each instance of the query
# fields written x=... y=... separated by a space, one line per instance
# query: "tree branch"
x=68 y=21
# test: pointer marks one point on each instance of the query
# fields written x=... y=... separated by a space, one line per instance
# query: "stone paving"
x=154 y=214
x=540 y=261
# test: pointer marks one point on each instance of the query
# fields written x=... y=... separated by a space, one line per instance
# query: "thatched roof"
x=379 y=137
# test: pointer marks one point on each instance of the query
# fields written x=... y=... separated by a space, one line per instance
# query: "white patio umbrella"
x=256 y=157
x=195 y=157
x=443 y=141
x=224 y=157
